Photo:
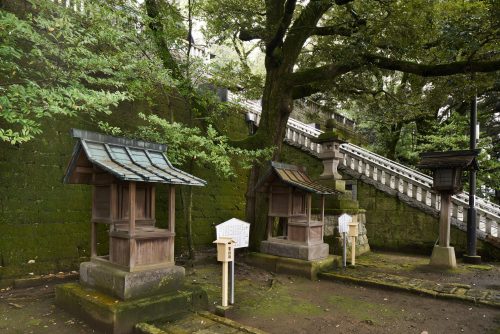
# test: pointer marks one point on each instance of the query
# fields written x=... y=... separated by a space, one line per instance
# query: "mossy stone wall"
x=44 y=220
x=394 y=225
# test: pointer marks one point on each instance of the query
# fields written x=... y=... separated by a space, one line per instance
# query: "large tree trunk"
x=392 y=140
x=277 y=104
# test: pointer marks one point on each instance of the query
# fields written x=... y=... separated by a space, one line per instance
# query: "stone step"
x=200 y=322
x=456 y=291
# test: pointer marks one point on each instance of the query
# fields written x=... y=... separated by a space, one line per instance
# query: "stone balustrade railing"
x=317 y=108
x=409 y=185
x=413 y=186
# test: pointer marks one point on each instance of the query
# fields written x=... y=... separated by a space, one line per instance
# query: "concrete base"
x=128 y=285
x=286 y=248
x=110 y=315
x=443 y=257
x=284 y=265
x=472 y=259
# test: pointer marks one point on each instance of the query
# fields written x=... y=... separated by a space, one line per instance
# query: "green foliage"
x=453 y=134
x=191 y=144
x=58 y=61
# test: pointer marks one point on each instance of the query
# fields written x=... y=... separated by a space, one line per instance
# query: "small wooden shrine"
x=291 y=230
x=123 y=174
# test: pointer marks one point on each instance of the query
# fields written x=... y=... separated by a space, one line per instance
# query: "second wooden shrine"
x=291 y=229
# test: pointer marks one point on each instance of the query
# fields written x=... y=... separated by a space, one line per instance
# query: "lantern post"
x=447 y=168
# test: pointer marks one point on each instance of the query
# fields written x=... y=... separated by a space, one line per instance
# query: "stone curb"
x=231 y=323
x=145 y=328
x=458 y=293
x=22 y=283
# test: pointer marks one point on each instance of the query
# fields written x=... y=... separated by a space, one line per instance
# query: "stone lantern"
x=331 y=156
x=447 y=168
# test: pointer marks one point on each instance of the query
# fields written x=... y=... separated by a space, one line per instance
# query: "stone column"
x=443 y=255
x=331 y=157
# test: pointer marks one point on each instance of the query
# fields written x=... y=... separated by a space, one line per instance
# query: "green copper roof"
x=294 y=176
x=127 y=159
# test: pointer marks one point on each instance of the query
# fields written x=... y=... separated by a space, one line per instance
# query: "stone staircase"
x=409 y=185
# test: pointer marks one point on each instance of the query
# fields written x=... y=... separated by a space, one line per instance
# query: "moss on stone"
x=363 y=310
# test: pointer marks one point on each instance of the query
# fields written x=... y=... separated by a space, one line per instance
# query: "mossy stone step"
x=200 y=322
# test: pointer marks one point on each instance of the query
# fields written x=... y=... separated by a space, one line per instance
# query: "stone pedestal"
x=472 y=259
x=285 y=265
x=113 y=316
x=286 y=248
x=443 y=257
x=104 y=277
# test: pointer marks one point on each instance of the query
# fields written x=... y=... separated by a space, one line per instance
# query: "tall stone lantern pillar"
x=331 y=156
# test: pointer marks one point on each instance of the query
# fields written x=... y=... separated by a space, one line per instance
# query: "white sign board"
x=236 y=229
x=344 y=221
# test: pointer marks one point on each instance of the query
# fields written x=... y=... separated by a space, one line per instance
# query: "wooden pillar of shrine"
x=171 y=218
x=131 y=223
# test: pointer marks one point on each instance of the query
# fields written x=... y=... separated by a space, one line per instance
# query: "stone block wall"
x=394 y=225
x=44 y=220
x=334 y=239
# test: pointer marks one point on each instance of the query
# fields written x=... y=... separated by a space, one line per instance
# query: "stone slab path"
x=197 y=323
x=456 y=291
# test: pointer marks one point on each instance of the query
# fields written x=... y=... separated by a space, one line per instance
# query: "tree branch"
x=158 y=32
x=299 y=92
x=341 y=30
x=321 y=73
x=251 y=34
x=426 y=70
x=303 y=27
x=285 y=22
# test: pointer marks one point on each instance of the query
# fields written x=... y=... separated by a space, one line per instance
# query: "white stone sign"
x=236 y=229
x=344 y=221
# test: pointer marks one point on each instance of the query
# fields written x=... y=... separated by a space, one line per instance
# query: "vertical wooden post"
x=322 y=216
x=270 y=221
x=93 y=241
x=353 y=250
x=308 y=229
x=93 y=232
x=153 y=203
x=131 y=223
x=171 y=219
x=113 y=215
x=224 y=283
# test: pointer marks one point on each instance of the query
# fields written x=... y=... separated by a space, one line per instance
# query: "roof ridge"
x=121 y=141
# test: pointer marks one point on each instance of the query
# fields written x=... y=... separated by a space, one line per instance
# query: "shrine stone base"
x=114 y=316
x=285 y=265
x=286 y=248
x=443 y=257
x=126 y=285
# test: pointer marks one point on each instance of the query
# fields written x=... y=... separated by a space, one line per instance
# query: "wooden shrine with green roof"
x=124 y=174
